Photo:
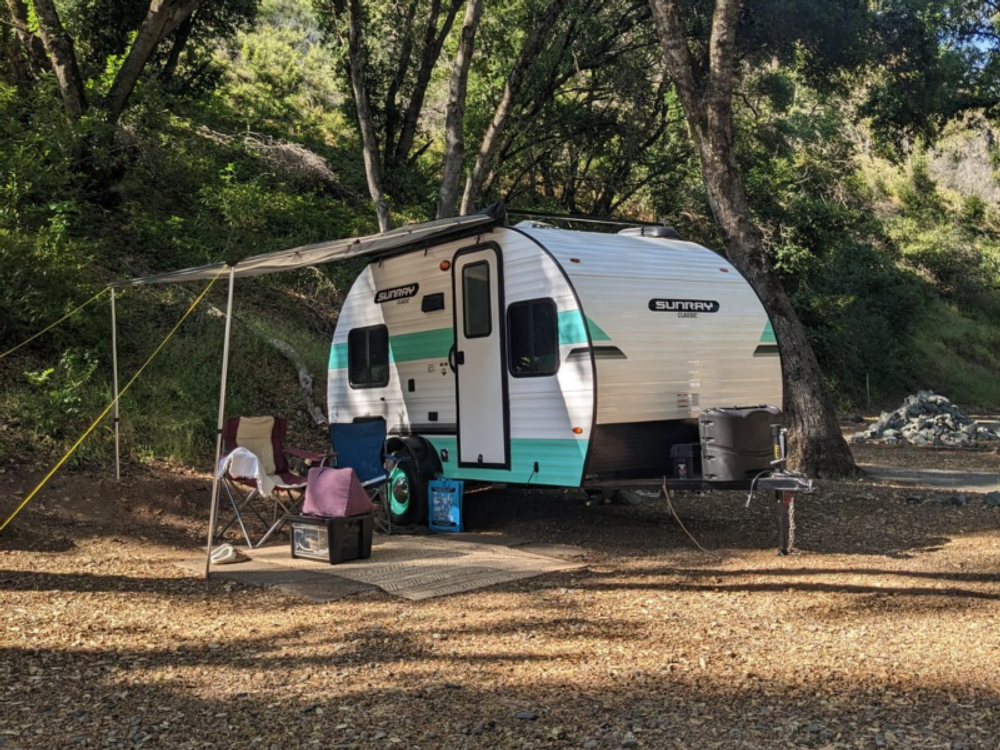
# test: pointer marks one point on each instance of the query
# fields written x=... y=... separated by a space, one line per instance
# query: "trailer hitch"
x=784 y=484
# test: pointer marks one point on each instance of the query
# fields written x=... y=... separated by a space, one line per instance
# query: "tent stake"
x=114 y=369
x=218 y=432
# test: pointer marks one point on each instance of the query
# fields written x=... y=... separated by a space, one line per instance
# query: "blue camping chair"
x=361 y=446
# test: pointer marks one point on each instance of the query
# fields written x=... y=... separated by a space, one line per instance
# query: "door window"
x=477 y=312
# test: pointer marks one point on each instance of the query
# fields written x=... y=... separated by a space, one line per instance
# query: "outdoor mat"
x=316 y=584
x=411 y=567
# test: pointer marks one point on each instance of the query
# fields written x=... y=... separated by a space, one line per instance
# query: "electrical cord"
x=753 y=483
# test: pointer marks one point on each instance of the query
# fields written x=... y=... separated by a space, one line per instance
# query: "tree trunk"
x=180 y=42
x=62 y=55
x=433 y=43
x=403 y=65
x=515 y=79
x=34 y=49
x=706 y=93
x=163 y=17
x=818 y=448
x=14 y=53
x=369 y=142
x=305 y=377
x=454 y=151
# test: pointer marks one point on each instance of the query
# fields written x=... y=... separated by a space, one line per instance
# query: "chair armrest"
x=308 y=455
x=376 y=482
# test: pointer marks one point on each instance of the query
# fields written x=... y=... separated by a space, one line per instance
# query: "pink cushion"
x=335 y=493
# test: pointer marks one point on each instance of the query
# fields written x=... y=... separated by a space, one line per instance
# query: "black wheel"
x=407 y=492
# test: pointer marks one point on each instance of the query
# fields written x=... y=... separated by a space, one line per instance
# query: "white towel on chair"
x=245 y=465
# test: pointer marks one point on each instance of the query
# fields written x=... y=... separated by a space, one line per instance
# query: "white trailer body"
x=542 y=356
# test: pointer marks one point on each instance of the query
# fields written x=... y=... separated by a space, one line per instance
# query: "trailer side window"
x=533 y=336
x=368 y=357
x=476 y=302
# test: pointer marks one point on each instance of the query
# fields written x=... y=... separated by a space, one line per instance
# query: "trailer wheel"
x=407 y=492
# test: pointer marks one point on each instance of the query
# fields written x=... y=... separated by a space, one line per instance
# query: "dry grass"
x=882 y=631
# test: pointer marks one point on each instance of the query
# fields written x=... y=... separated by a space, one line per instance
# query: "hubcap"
x=399 y=492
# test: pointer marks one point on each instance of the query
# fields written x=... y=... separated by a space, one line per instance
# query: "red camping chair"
x=256 y=475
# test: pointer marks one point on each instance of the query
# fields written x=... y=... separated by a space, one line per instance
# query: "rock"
x=526 y=715
x=956 y=500
x=992 y=500
x=629 y=740
x=926 y=418
x=629 y=497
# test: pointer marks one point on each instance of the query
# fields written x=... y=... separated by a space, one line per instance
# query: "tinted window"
x=368 y=357
x=533 y=333
x=476 y=300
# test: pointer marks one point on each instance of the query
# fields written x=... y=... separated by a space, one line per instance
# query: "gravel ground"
x=882 y=630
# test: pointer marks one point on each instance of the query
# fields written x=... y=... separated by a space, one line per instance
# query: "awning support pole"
x=218 y=432
x=114 y=369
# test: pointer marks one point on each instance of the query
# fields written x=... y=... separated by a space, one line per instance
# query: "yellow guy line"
x=112 y=404
x=70 y=314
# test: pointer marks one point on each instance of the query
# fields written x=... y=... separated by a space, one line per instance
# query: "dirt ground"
x=881 y=630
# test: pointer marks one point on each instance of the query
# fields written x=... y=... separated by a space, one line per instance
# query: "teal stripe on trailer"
x=573 y=327
x=560 y=462
x=338 y=356
x=596 y=332
x=406 y=347
x=435 y=344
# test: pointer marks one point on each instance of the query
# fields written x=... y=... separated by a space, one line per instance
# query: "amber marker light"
x=577 y=430
x=444 y=265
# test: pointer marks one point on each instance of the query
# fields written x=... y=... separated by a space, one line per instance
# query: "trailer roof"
x=386 y=243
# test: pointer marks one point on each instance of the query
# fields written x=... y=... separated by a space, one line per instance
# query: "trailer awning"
x=375 y=245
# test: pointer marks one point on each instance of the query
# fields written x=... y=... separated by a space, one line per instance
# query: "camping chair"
x=361 y=446
x=256 y=475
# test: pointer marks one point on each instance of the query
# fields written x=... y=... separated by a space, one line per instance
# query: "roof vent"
x=659 y=232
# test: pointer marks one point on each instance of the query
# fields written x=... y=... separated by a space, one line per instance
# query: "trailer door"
x=478 y=359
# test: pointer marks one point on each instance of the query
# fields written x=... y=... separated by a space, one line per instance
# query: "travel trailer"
x=540 y=356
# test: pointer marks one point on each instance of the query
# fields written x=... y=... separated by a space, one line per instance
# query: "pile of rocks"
x=926 y=419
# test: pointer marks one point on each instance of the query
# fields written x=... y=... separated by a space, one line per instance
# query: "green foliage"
x=945 y=239
x=188 y=185
x=934 y=60
x=252 y=146
x=958 y=353
x=58 y=393
x=104 y=29
x=44 y=262
x=860 y=309
x=282 y=79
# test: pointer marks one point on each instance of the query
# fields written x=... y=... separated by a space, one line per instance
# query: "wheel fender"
x=419 y=448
